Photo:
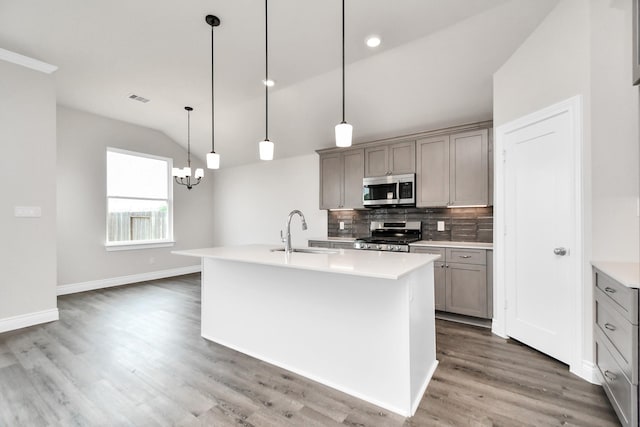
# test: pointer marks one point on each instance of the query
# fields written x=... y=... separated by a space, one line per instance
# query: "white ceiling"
x=433 y=68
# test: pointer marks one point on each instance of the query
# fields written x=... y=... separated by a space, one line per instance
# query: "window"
x=139 y=193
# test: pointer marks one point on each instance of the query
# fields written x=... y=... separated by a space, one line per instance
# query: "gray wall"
x=81 y=181
x=27 y=171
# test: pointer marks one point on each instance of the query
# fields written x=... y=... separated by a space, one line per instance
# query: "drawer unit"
x=622 y=394
x=330 y=245
x=429 y=250
x=616 y=344
x=621 y=334
x=626 y=298
x=467 y=256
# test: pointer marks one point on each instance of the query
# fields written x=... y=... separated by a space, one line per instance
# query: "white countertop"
x=382 y=265
x=447 y=244
x=334 y=239
x=627 y=273
x=425 y=243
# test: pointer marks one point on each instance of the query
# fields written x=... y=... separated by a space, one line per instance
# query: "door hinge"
x=504 y=156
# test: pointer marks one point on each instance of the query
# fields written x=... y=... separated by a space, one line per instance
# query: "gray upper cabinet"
x=341 y=176
x=390 y=159
x=453 y=170
x=469 y=168
x=432 y=171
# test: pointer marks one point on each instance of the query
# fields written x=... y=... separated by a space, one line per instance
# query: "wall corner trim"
x=73 y=288
x=28 y=319
x=25 y=61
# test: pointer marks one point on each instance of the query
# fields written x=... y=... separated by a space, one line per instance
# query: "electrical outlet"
x=341 y=225
x=440 y=225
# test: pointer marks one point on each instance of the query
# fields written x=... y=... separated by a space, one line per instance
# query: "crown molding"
x=25 y=61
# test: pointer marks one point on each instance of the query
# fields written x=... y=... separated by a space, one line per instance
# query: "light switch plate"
x=341 y=225
x=27 y=211
x=440 y=225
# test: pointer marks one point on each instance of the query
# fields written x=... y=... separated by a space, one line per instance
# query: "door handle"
x=609 y=326
x=610 y=375
x=560 y=251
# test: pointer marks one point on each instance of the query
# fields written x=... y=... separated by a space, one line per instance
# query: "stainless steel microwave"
x=389 y=190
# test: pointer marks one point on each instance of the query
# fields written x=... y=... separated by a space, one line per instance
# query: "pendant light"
x=213 y=158
x=344 y=131
x=266 y=146
x=183 y=176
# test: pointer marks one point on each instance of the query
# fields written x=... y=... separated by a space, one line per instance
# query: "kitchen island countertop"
x=382 y=265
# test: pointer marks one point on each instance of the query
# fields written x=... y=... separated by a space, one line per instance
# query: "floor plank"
x=133 y=355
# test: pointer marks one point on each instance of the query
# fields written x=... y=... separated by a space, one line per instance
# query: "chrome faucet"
x=287 y=238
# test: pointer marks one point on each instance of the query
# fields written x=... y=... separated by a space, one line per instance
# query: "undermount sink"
x=308 y=251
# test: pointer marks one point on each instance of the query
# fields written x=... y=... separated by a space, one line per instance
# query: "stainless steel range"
x=391 y=236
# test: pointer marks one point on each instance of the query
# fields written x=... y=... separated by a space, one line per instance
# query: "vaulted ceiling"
x=434 y=66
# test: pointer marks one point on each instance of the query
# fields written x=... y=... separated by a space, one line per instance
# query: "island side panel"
x=422 y=332
x=348 y=332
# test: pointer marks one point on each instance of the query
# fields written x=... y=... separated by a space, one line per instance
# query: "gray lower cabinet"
x=341 y=176
x=616 y=344
x=462 y=282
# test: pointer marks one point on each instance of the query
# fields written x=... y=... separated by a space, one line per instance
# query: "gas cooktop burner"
x=391 y=236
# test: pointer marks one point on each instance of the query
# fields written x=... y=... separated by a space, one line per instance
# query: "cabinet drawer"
x=467 y=256
x=622 y=335
x=625 y=298
x=622 y=394
x=428 y=250
x=318 y=244
x=342 y=245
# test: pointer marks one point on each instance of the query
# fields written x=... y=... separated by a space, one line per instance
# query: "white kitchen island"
x=361 y=322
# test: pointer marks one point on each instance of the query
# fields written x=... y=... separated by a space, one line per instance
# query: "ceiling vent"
x=138 y=98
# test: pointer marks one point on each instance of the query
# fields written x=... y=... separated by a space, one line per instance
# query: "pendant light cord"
x=343 y=104
x=266 y=71
x=189 y=138
x=213 y=117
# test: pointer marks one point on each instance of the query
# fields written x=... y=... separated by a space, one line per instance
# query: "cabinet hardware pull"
x=610 y=290
x=610 y=375
x=609 y=326
x=465 y=256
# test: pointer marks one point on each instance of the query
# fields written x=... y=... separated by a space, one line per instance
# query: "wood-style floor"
x=133 y=355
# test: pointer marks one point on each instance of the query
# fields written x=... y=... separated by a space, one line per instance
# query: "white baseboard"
x=589 y=372
x=73 y=288
x=29 y=319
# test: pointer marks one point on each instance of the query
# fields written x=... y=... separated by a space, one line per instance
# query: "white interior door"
x=541 y=253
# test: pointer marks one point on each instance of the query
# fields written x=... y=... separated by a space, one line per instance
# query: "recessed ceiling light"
x=268 y=83
x=137 y=98
x=373 y=41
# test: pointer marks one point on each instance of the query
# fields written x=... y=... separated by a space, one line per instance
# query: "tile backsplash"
x=460 y=224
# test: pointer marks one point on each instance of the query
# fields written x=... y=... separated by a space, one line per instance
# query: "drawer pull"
x=610 y=327
x=610 y=375
x=610 y=290
x=465 y=256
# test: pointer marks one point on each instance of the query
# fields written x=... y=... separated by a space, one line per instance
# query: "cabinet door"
x=331 y=181
x=440 y=285
x=432 y=172
x=467 y=289
x=402 y=158
x=376 y=161
x=469 y=168
x=489 y=284
x=353 y=164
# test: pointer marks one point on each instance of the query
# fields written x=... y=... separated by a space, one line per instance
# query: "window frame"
x=139 y=244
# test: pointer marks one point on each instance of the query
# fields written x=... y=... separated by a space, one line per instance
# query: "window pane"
x=136 y=176
x=131 y=220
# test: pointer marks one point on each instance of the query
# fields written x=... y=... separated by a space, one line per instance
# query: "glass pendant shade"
x=213 y=160
x=344 y=133
x=266 y=150
x=199 y=173
x=187 y=171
